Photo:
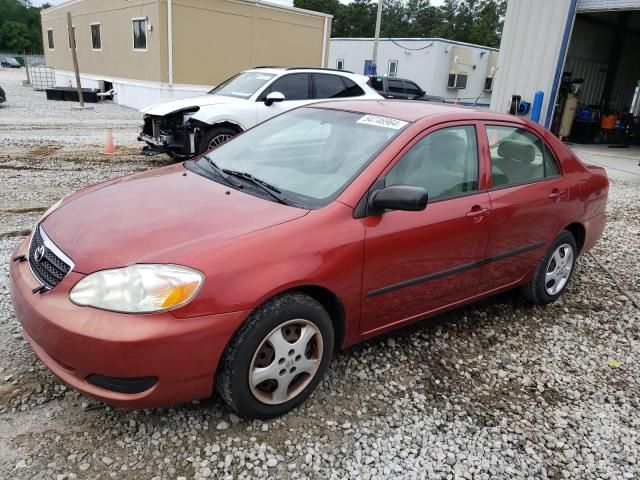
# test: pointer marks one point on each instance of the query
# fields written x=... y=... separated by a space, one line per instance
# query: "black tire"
x=232 y=379
x=536 y=291
x=209 y=137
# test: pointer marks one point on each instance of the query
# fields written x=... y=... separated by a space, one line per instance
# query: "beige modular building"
x=149 y=50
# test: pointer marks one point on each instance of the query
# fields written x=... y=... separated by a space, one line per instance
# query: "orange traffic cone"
x=108 y=144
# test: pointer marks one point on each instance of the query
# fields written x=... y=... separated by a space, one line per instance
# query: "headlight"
x=51 y=209
x=140 y=288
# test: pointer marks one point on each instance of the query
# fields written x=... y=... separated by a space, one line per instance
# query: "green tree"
x=20 y=27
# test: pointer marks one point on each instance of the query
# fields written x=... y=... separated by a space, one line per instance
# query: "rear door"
x=395 y=88
x=296 y=88
x=412 y=90
x=418 y=262
x=528 y=197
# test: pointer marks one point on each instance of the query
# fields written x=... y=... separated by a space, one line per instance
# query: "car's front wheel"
x=214 y=137
x=277 y=358
x=553 y=272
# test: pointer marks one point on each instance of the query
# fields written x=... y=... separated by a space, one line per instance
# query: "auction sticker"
x=385 y=122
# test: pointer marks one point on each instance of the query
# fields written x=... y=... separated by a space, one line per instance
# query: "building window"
x=340 y=64
x=457 y=80
x=488 y=84
x=96 y=36
x=139 y=33
x=392 y=68
x=50 y=39
x=73 y=32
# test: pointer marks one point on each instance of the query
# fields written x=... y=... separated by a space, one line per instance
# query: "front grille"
x=48 y=267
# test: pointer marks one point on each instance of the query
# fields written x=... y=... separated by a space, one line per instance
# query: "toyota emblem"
x=38 y=255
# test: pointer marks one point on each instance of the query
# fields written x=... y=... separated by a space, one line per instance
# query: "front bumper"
x=78 y=342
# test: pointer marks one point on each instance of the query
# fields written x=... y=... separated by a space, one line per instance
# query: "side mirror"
x=273 y=97
x=400 y=197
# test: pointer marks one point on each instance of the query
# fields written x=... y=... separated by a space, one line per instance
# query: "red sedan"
x=243 y=270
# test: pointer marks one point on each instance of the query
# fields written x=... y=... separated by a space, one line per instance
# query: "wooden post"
x=26 y=66
x=72 y=41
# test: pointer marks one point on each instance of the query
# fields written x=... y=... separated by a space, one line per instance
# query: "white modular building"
x=458 y=72
x=559 y=47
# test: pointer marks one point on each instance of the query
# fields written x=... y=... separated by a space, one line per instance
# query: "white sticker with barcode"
x=385 y=122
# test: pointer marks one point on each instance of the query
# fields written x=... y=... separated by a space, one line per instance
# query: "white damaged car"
x=188 y=127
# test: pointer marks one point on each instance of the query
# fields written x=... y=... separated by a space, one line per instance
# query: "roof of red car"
x=409 y=111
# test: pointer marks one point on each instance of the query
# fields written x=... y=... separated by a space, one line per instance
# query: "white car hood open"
x=166 y=107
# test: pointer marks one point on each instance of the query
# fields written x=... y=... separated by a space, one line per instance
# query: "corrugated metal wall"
x=601 y=5
x=531 y=44
x=594 y=75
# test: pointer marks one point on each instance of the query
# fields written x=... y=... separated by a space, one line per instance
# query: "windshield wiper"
x=223 y=174
x=265 y=186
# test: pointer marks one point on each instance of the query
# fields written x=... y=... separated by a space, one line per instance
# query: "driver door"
x=419 y=262
x=296 y=88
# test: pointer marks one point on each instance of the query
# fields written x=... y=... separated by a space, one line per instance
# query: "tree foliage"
x=20 y=27
x=473 y=21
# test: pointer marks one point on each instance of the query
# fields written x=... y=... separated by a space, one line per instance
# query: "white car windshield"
x=242 y=85
x=309 y=154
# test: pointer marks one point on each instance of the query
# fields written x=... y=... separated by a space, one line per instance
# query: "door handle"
x=477 y=213
x=557 y=194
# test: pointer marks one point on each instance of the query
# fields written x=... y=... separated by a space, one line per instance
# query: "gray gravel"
x=499 y=389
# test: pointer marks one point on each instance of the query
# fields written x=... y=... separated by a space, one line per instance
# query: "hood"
x=166 y=107
x=161 y=215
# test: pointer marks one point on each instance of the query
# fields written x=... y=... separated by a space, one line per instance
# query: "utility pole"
x=72 y=42
x=377 y=37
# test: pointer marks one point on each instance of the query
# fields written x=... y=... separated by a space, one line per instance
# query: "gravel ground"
x=499 y=389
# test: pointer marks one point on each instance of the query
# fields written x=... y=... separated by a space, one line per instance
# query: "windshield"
x=309 y=154
x=242 y=85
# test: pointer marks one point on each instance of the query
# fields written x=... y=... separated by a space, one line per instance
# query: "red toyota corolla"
x=243 y=270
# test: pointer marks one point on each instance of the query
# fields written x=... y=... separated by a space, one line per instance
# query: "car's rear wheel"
x=277 y=358
x=214 y=137
x=553 y=272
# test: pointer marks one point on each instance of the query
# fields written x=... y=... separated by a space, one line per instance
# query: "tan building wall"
x=117 y=57
x=212 y=39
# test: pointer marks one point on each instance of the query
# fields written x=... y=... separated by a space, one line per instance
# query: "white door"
x=296 y=88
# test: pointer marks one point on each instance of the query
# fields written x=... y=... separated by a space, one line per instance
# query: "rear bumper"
x=181 y=355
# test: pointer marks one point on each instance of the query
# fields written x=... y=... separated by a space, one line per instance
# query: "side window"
x=328 y=86
x=412 y=88
x=340 y=64
x=518 y=156
x=395 y=86
x=294 y=86
x=445 y=163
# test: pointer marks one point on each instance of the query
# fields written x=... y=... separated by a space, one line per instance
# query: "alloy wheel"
x=558 y=269
x=285 y=361
x=219 y=140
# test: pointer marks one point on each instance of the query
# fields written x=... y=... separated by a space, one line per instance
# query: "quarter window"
x=140 y=34
x=518 y=156
x=445 y=163
x=96 y=37
x=50 y=39
x=294 y=86
x=412 y=88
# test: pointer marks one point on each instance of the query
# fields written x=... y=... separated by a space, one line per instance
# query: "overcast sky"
x=283 y=2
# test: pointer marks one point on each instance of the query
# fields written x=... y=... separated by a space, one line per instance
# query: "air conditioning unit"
x=492 y=68
x=459 y=67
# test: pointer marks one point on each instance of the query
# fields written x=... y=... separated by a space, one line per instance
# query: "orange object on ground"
x=608 y=122
x=108 y=144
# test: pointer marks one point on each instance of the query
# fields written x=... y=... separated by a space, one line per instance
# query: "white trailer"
x=459 y=72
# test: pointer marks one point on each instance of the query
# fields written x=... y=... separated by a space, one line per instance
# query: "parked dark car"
x=3 y=96
x=10 y=62
x=401 y=89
